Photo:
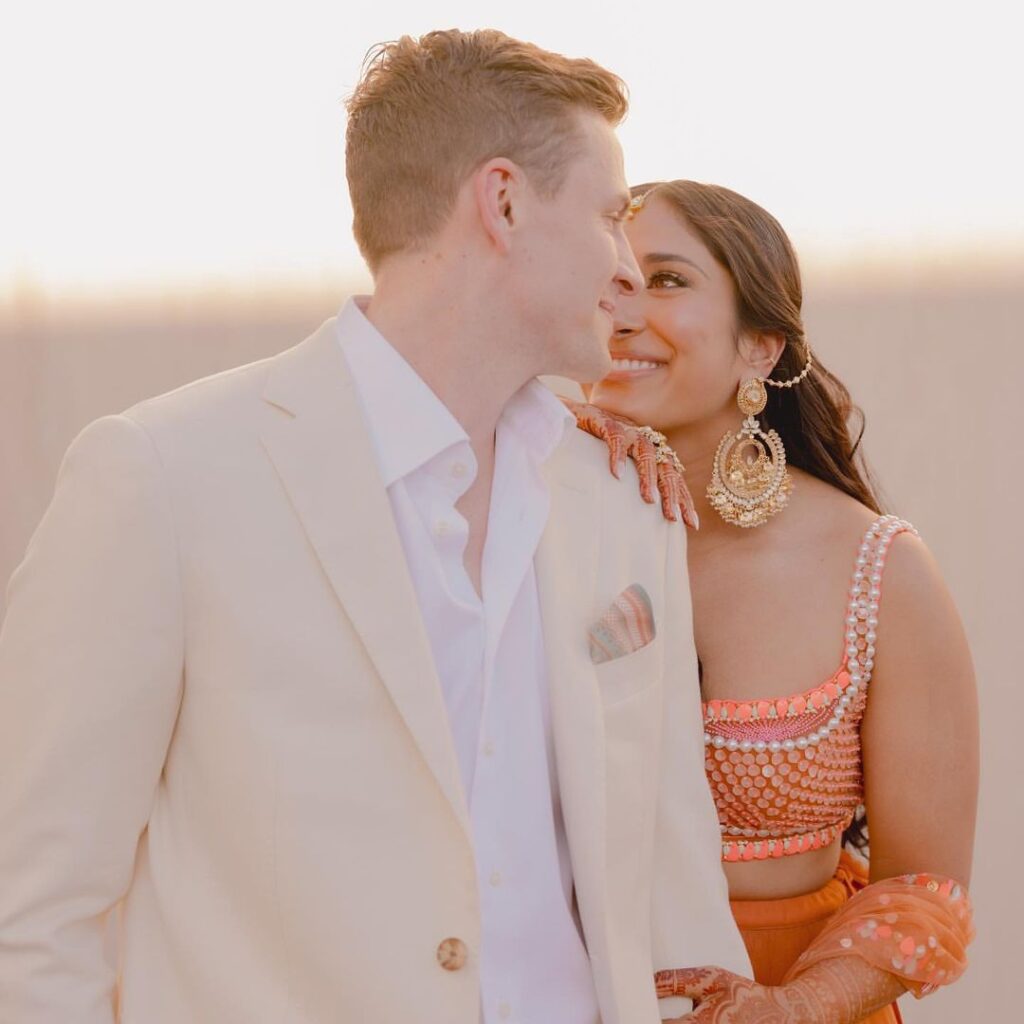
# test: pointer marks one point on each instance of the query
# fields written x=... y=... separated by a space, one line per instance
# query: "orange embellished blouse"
x=786 y=772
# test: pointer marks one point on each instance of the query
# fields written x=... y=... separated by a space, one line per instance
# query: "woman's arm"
x=920 y=750
x=841 y=991
x=920 y=731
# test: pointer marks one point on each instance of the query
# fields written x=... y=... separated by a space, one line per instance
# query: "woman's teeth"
x=633 y=364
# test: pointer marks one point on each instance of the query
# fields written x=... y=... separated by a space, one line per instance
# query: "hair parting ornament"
x=636 y=204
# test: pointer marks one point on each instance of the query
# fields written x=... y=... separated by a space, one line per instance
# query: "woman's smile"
x=632 y=369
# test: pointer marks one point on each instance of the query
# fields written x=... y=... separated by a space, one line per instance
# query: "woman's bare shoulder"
x=921 y=723
x=915 y=593
x=822 y=511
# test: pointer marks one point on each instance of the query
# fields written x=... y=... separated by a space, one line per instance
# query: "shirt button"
x=495 y=879
x=504 y=1011
x=488 y=749
x=452 y=954
x=459 y=470
x=441 y=527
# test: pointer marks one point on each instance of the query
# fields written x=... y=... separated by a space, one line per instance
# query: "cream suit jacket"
x=217 y=702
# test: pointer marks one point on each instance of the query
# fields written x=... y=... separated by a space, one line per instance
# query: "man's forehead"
x=603 y=158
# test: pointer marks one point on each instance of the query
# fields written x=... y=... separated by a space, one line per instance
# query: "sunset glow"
x=158 y=145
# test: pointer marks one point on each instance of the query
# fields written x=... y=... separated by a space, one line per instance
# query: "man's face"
x=575 y=262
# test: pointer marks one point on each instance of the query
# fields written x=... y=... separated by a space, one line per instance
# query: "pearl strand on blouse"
x=858 y=657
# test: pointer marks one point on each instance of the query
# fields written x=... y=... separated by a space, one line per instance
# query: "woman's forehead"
x=658 y=231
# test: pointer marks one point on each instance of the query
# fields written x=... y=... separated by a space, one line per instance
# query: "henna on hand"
x=602 y=425
x=625 y=439
x=843 y=990
x=674 y=494
x=721 y=997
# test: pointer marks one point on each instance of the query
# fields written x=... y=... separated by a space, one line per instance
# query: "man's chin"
x=589 y=362
x=596 y=368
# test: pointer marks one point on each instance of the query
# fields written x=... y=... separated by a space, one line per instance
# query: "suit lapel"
x=567 y=561
x=317 y=439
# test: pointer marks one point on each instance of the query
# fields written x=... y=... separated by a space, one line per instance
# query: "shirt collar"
x=409 y=425
x=538 y=418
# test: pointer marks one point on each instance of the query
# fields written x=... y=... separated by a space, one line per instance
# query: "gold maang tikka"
x=636 y=204
x=749 y=481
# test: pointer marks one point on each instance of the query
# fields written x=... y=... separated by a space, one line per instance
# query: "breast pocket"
x=622 y=678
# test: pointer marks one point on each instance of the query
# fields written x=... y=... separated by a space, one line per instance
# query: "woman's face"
x=676 y=361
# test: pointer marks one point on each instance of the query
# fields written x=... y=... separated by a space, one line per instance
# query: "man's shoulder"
x=207 y=395
x=619 y=497
x=588 y=454
x=230 y=397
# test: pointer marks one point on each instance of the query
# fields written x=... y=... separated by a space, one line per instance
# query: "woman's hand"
x=838 y=991
x=722 y=997
x=656 y=463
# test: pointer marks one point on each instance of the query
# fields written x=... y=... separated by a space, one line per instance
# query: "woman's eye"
x=666 y=279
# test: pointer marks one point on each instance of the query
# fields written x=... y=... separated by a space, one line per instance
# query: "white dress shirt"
x=489 y=655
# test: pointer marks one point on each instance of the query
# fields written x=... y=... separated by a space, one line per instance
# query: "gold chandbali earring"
x=749 y=482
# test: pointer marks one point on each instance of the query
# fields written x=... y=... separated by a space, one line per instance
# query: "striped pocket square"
x=627 y=626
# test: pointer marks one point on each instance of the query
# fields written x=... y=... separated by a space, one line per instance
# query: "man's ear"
x=761 y=351
x=497 y=189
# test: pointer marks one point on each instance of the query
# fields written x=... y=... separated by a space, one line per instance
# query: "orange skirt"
x=776 y=932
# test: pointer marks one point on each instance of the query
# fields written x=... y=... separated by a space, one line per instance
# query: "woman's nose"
x=628 y=317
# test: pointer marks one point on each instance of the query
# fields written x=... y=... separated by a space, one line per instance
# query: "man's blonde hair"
x=428 y=111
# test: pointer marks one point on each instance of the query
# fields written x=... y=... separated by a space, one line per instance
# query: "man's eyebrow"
x=671 y=257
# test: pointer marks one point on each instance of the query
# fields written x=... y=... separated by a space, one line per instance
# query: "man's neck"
x=464 y=354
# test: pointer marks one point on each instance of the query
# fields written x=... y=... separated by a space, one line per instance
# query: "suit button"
x=451 y=954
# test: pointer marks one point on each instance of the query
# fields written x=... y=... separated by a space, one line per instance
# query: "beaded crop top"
x=786 y=772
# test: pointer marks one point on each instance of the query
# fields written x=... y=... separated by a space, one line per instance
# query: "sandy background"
x=936 y=361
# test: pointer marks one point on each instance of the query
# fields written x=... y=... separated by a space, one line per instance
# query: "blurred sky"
x=151 y=145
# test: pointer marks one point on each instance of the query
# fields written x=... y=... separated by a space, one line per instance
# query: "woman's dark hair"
x=813 y=418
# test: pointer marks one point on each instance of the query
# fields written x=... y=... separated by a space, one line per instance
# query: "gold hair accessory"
x=636 y=204
x=749 y=481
